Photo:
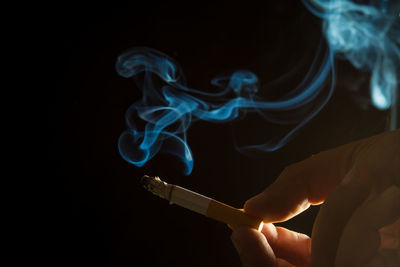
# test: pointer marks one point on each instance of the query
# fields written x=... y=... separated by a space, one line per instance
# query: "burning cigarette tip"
x=144 y=181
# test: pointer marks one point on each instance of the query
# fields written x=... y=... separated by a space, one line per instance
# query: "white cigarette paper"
x=200 y=204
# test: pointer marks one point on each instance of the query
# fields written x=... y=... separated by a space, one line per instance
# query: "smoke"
x=168 y=107
x=158 y=122
x=368 y=36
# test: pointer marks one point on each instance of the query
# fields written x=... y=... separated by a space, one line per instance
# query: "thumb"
x=252 y=247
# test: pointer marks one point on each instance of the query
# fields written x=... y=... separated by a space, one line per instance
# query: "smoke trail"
x=168 y=107
x=366 y=35
x=369 y=37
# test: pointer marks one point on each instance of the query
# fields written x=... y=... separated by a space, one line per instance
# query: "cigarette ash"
x=156 y=186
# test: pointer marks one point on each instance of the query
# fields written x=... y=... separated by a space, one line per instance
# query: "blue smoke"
x=368 y=35
x=168 y=107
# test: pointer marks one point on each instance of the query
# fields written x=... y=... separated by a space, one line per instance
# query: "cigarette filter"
x=200 y=204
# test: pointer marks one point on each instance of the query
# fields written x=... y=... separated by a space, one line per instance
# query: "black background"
x=102 y=217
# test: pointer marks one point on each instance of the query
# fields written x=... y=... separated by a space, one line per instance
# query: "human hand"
x=359 y=222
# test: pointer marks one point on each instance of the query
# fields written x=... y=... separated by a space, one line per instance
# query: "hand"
x=359 y=222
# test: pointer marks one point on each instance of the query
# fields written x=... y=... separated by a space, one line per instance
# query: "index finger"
x=310 y=181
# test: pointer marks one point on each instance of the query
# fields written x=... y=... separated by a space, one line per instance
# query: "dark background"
x=102 y=217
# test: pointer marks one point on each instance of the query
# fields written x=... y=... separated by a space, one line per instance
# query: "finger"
x=288 y=245
x=301 y=184
x=361 y=232
x=333 y=216
x=390 y=236
x=252 y=247
x=310 y=181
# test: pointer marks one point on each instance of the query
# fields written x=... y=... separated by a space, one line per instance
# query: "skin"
x=358 y=224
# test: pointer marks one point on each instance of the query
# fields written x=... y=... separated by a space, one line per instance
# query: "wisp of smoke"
x=159 y=121
x=368 y=35
x=168 y=107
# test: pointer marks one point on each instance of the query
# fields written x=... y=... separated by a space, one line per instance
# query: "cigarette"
x=200 y=204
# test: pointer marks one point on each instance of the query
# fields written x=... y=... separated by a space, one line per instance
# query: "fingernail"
x=235 y=243
x=231 y=226
x=390 y=193
x=234 y=236
x=348 y=177
x=305 y=205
